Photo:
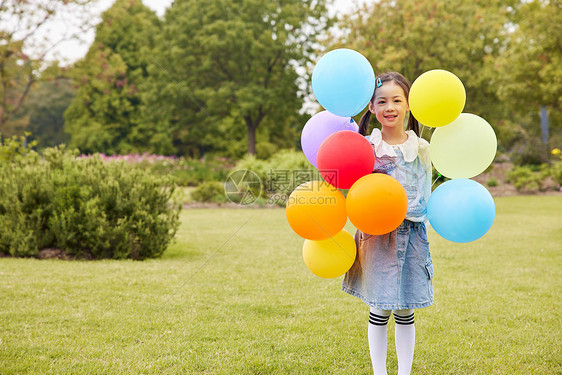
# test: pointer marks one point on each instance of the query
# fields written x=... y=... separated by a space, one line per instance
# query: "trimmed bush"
x=210 y=191
x=84 y=206
x=184 y=172
x=525 y=179
x=281 y=173
x=529 y=151
x=492 y=182
x=556 y=172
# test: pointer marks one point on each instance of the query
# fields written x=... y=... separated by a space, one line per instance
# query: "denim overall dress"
x=394 y=271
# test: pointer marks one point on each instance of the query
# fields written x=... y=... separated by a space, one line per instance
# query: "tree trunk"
x=252 y=125
x=251 y=139
x=544 y=132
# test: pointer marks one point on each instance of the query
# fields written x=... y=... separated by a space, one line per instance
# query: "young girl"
x=393 y=271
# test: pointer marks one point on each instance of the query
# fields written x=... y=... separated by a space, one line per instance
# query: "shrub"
x=556 y=172
x=14 y=147
x=184 y=172
x=529 y=151
x=525 y=179
x=251 y=163
x=281 y=173
x=210 y=191
x=85 y=207
x=492 y=182
x=192 y=172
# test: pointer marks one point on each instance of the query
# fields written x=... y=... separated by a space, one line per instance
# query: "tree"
x=44 y=108
x=531 y=65
x=24 y=45
x=224 y=73
x=105 y=114
x=414 y=36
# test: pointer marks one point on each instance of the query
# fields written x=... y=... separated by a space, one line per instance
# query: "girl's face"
x=390 y=105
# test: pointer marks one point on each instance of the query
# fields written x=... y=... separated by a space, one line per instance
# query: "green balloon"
x=464 y=148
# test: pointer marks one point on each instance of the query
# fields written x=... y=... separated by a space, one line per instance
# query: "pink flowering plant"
x=184 y=171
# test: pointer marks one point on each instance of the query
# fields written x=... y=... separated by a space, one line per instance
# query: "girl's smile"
x=390 y=105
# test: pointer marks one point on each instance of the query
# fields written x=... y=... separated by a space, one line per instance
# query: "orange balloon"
x=316 y=210
x=377 y=204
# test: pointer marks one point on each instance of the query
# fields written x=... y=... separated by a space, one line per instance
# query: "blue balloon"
x=343 y=82
x=461 y=210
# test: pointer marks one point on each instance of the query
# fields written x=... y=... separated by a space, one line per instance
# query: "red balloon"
x=344 y=157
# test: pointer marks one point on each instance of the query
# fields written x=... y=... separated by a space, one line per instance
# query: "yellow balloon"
x=436 y=98
x=316 y=210
x=332 y=257
x=464 y=148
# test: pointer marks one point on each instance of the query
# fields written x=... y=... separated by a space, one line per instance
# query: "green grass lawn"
x=233 y=296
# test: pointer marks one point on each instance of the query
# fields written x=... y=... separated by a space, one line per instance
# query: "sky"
x=72 y=50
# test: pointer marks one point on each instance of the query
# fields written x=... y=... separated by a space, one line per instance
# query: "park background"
x=182 y=99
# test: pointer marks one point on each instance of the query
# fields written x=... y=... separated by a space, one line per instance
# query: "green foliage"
x=492 y=182
x=210 y=191
x=282 y=172
x=525 y=179
x=14 y=147
x=556 y=172
x=531 y=65
x=192 y=172
x=24 y=44
x=105 y=114
x=528 y=151
x=413 y=36
x=223 y=75
x=45 y=106
x=528 y=73
x=183 y=171
x=85 y=207
x=16 y=78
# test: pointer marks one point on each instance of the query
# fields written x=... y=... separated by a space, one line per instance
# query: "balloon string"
x=438 y=177
x=423 y=127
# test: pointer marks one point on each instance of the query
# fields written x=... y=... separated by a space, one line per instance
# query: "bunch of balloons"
x=462 y=146
x=343 y=82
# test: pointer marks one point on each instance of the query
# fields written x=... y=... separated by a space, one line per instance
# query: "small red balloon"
x=344 y=157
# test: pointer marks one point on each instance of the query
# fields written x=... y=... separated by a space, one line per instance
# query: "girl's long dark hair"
x=401 y=81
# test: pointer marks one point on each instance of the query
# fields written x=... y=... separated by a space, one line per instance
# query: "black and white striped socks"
x=377 y=339
x=404 y=319
x=378 y=319
x=404 y=338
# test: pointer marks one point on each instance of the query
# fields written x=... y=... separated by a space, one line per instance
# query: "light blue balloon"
x=461 y=210
x=343 y=82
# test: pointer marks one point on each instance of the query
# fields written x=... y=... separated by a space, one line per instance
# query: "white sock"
x=377 y=339
x=405 y=338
